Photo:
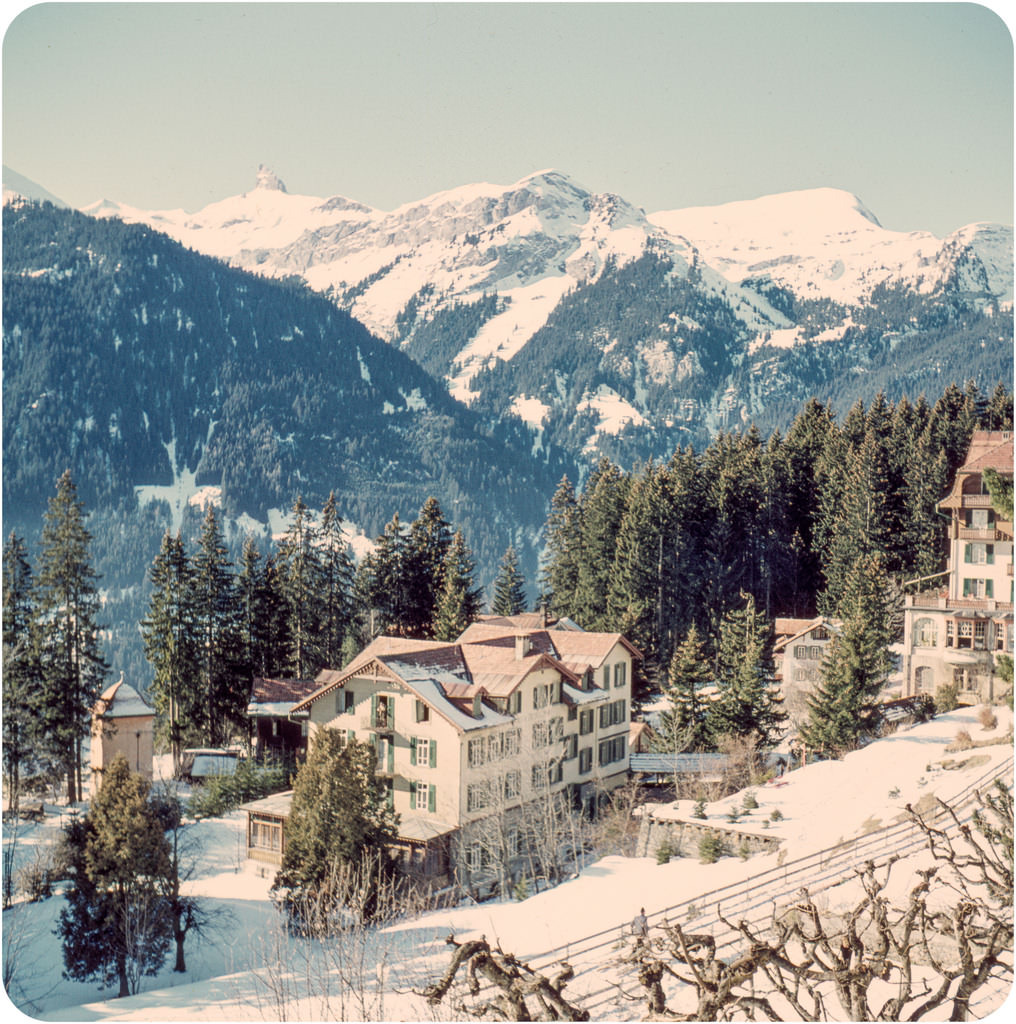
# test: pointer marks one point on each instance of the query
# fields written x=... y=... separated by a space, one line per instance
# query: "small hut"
x=122 y=723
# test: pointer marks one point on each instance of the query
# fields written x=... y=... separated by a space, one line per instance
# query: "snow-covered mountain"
x=17 y=185
x=479 y=282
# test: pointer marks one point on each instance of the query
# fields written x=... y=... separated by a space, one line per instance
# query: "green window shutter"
x=431 y=798
x=433 y=753
x=373 y=709
x=391 y=713
x=412 y=750
x=966 y=588
x=350 y=736
x=391 y=757
x=990 y=551
x=967 y=555
x=412 y=795
x=989 y=588
x=390 y=796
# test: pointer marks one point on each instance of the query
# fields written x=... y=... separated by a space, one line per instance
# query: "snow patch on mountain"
x=614 y=411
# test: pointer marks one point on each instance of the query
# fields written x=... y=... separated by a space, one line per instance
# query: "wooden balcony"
x=975 y=533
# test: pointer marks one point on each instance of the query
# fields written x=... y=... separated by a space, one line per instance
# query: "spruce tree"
x=340 y=820
x=844 y=708
x=602 y=508
x=216 y=619
x=563 y=552
x=459 y=603
x=336 y=584
x=300 y=577
x=686 y=725
x=22 y=672
x=116 y=925
x=170 y=637
x=748 y=704
x=422 y=569
x=68 y=602
x=509 y=586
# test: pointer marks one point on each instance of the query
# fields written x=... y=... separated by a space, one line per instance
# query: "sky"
x=160 y=106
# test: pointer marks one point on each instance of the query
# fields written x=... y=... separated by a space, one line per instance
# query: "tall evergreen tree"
x=748 y=704
x=170 y=636
x=423 y=555
x=340 y=820
x=686 y=725
x=226 y=690
x=602 y=509
x=563 y=552
x=509 y=586
x=116 y=924
x=68 y=604
x=383 y=582
x=459 y=603
x=336 y=584
x=300 y=577
x=22 y=672
x=844 y=707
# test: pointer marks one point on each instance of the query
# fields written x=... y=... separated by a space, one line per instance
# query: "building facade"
x=473 y=737
x=800 y=649
x=954 y=633
x=122 y=723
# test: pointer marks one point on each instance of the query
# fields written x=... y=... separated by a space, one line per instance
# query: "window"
x=422 y=712
x=815 y=653
x=476 y=857
x=477 y=752
x=422 y=796
x=573 y=713
x=266 y=835
x=800 y=652
x=513 y=842
x=612 y=750
x=950 y=630
x=979 y=554
x=571 y=746
x=586 y=722
x=819 y=633
x=964 y=633
x=925 y=633
x=511 y=743
x=980 y=518
x=515 y=702
x=542 y=695
x=799 y=675
x=620 y=674
x=979 y=635
x=423 y=752
x=924 y=680
x=585 y=760
x=604 y=716
x=477 y=796
x=978 y=588
x=606 y=677
x=556 y=730
x=511 y=785
x=544 y=775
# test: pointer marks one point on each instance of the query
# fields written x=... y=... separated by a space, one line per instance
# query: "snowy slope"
x=235 y=974
x=824 y=243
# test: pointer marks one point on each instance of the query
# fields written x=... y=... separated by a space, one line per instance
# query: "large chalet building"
x=953 y=634
x=470 y=734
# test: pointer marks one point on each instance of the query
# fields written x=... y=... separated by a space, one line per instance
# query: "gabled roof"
x=569 y=645
x=802 y=628
x=989 y=449
x=280 y=691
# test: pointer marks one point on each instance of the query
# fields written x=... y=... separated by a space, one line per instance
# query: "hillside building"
x=471 y=735
x=800 y=648
x=954 y=633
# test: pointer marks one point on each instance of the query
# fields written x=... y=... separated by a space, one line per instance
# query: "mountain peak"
x=269 y=180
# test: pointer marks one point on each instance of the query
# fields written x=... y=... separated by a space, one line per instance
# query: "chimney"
x=523 y=645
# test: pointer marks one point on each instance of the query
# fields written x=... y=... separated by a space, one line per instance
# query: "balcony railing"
x=979 y=533
x=381 y=721
x=975 y=501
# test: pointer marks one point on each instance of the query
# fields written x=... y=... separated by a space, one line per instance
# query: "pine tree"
x=68 y=604
x=336 y=585
x=563 y=552
x=459 y=603
x=21 y=672
x=169 y=632
x=383 y=582
x=340 y=818
x=602 y=509
x=844 y=707
x=115 y=926
x=748 y=704
x=685 y=726
x=218 y=634
x=300 y=577
x=509 y=586
x=422 y=569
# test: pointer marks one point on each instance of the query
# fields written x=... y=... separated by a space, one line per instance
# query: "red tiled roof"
x=279 y=691
x=989 y=449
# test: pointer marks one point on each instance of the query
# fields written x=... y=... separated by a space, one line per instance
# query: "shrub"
x=521 y=890
x=664 y=852
x=987 y=719
x=733 y=814
x=749 y=803
x=777 y=814
x=700 y=809
x=744 y=850
x=963 y=740
x=894 y=793
x=224 y=793
x=946 y=698
x=710 y=848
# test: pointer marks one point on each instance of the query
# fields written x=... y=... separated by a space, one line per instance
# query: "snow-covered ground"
x=248 y=968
